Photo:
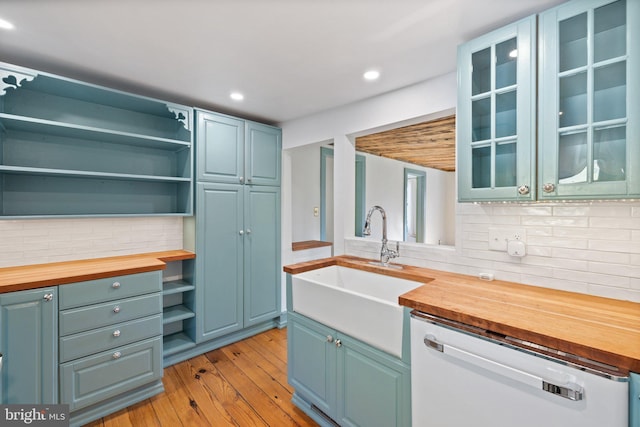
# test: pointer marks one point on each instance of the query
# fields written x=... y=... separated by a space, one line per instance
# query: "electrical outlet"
x=498 y=237
x=316 y=211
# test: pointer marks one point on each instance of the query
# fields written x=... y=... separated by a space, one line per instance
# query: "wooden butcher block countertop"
x=58 y=273
x=602 y=329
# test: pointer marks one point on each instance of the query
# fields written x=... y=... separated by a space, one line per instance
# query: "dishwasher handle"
x=568 y=391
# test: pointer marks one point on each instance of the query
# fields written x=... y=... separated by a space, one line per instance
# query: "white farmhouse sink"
x=358 y=303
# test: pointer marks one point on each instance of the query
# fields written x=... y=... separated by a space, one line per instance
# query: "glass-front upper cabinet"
x=496 y=114
x=589 y=91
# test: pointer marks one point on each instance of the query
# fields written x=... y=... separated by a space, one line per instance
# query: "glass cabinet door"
x=496 y=115
x=588 y=136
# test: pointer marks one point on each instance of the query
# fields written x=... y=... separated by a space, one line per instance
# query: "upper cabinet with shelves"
x=587 y=144
x=69 y=148
x=496 y=114
x=588 y=103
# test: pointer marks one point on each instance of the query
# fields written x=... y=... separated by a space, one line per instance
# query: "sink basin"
x=358 y=303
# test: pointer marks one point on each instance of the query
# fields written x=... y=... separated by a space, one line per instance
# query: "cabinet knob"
x=242 y=180
x=115 y=285
x=117 y=355
x=338 y=343
x=329 y=338
x=241 y=232
x=523 y=190
x=248 y=231
x=548 y=187
x=48 y=297
x=116 y=333
x=116 y=309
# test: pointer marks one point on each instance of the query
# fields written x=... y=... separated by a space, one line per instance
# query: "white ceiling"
x=290 y=58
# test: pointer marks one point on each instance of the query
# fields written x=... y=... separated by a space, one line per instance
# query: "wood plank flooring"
x=242 y=384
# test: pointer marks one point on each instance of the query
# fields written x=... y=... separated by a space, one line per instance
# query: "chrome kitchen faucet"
x=385 y=253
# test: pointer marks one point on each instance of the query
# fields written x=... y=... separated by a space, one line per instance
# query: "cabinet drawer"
x=90 y=380
x=95 y=316
x=108 y=289
x=109 y=337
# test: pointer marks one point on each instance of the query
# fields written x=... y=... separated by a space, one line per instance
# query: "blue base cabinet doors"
x=29 y=347
x=238 y=263
x=589 y=124
x=496 y=115
x=634 y=400
x=341 y=378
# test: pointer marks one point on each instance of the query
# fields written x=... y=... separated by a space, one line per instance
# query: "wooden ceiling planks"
x=430 y=144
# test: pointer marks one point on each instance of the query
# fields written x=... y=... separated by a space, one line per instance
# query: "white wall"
x=36 y=241
x=591 y=248
x=385 y=187
x=305 y=166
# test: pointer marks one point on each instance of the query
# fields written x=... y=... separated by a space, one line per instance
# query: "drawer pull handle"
x=117 y=355
x=116 y=333
x=116 y=309
x=48 y=297
x=115 y=285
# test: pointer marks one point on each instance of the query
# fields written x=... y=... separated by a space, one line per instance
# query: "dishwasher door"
x=462 y=380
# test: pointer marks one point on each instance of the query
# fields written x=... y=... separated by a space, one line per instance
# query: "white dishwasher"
x=462 y=376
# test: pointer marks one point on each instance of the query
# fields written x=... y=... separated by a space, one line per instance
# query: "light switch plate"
x=498 y=237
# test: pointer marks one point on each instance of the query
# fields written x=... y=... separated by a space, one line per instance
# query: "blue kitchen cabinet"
x=634 y=400
x=341 y=378
x=496 y=115
x=69 y=148
x=588 y=100
x=238 y=257
x=236 y=151
x=29 y=347
x=110 y=343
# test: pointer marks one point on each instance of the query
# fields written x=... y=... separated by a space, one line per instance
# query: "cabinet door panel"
x=220 y=147
x=634 y=400
x=589 y=116
x=219 y=263
x=263 y=154
x=312 y=362
x=262 y=254
x=496 y=115
x=28 y=342
x=374 y=391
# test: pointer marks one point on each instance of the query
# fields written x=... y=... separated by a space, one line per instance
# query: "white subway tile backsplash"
x=571 y=210
x=615 y=222
x=615 y=246
x=593 y=233
x=24 y=242
x=586 y=247
x=610 y=211
x=555 y=221
x=615 y=269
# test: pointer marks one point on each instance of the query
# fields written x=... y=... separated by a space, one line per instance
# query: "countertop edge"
x=20 y=278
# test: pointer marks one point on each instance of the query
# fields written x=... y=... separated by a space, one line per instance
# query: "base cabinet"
x=110 y=341
x=351 y=383
x=29 y=347
x=634 y=400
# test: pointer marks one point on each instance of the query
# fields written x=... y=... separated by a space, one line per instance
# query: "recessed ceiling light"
x=6 y=25
x=371 y=75
x=236 y=96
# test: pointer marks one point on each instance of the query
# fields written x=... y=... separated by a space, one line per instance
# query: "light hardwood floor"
x=242 y=384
